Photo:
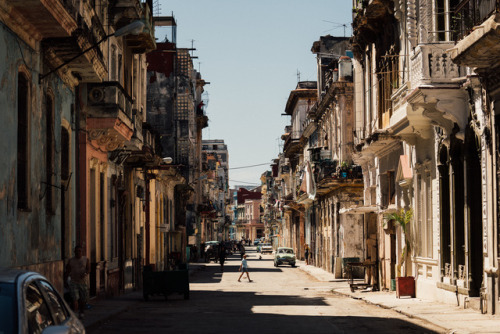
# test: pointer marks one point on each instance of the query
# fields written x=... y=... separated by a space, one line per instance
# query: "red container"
x=405 y=286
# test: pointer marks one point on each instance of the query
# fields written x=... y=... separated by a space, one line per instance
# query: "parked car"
x=256 y=241
x=30 y=304
x=284 y=255
x=266 y=248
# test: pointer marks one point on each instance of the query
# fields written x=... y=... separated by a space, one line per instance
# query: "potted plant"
x=344 y=167
x=405 y=285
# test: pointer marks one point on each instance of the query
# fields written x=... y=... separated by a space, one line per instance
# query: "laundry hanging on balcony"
x=308 y=184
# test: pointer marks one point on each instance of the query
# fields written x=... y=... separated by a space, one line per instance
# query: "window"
x=113 y=64
x=65 y=154
x=59 y=311
x=23 y=171
x=388 y=76
x=49 y=156
x=424 y=215
x=447 y=21
x=37 y=312
x=392 y=187
x=184 y=128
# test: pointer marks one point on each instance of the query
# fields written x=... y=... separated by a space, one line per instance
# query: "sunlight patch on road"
x=303 y=310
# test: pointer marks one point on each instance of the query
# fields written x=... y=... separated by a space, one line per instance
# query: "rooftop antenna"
x=336 y=26
x=192 y=47
x=199 y=66
x=298 y=76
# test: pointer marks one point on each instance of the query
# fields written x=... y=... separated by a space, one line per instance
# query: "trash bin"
x=165 y=282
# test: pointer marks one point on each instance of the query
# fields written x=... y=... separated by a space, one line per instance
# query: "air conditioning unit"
x=96 y=95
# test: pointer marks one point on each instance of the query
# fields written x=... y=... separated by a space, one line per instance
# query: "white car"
x=266 y=248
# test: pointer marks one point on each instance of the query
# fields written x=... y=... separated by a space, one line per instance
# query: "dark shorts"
x=244 y=270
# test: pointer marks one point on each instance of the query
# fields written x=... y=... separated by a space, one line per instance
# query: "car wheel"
x=293 y=265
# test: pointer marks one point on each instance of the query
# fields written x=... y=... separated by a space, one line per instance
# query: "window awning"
x=359 y=210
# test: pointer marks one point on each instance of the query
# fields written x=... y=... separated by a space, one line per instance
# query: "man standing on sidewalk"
x=78 y=269
x=222 y=256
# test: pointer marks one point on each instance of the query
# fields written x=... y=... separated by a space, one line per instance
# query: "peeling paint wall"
x=31 y=238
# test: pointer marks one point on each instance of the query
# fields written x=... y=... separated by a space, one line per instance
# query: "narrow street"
x=279 y=300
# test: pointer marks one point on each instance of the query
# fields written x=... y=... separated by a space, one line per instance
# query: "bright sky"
x=250 y=52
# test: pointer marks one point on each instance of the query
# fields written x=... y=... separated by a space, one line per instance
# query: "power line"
x=252 y=183
x=267 y=163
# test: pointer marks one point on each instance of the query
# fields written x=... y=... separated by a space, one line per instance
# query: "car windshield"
x=8 y=314
x=286 y=251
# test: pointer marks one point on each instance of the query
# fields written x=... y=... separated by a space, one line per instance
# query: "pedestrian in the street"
x=78 y=269
x=306 y=254
x=242 y=251
x=222 y=257
x=244 y=269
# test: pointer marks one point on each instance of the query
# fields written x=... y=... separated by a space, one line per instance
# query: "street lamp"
x=133 y=28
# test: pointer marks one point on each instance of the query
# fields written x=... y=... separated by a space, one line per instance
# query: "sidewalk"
x=452 y=319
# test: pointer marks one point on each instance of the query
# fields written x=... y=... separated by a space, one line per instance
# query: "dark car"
x=30 y=304
x=212 y=251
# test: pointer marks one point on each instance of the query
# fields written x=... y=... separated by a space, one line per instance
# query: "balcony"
x=44 y=18
x=89 y=67
x=436 y=96
x=471 y=13
x=432 y=65
x=330 y=176
x=292 y=143
x=124 y=12
x=109 y=115
x=137 y=140
x=319 y=154
x=371 y=18
x=478 y=26
x=145 y=41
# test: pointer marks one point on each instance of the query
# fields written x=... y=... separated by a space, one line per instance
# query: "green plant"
x=403 y=219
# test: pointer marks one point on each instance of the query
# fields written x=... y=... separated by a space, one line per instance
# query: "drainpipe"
x=147 y=221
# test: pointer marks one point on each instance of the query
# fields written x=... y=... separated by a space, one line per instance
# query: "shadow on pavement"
x=248 y=312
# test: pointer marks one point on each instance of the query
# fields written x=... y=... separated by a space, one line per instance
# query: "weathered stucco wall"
x=29 y=238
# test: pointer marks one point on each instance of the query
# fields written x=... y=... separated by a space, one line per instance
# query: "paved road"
x=279 y=300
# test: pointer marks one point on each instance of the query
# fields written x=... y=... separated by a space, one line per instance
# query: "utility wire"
x=267 y=163
x=252 y=183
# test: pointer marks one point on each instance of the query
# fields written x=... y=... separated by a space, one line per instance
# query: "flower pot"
x=405 y=286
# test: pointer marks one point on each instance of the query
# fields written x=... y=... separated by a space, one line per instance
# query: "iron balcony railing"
x=470 y=13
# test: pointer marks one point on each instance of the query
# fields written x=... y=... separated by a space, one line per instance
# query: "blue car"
x=30 y=304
